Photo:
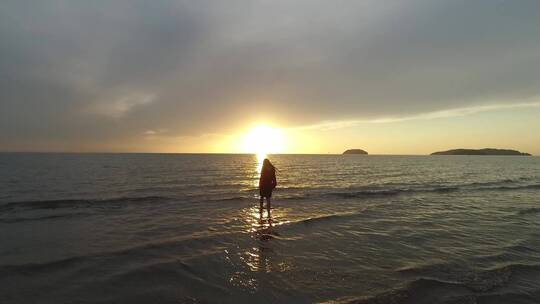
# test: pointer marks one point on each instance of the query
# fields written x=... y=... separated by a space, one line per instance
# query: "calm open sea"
x=166 y=228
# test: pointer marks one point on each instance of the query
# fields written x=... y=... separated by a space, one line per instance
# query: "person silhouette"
x=267 y=183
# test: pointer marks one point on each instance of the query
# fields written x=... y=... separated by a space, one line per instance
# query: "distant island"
x=486 y=151
x=355 y=151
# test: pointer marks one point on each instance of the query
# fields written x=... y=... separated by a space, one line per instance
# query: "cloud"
x=333 y=125
x=155 y=132
x=123 y=105
x=198 y=67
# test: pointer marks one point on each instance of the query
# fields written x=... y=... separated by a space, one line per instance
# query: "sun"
x=263 y=140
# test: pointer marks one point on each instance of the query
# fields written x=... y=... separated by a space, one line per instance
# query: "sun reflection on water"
x=260 y=158
x=258 y=260
x=258 y=220
x=261 y=256
x=258 y=167
x=260 y=224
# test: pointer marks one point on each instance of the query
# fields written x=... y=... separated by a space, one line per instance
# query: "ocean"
x=186 y=228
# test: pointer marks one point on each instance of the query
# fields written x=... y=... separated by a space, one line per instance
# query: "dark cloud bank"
x=91 y=71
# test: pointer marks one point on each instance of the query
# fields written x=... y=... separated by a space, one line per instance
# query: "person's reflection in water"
x=264 y=257
x=266 y=232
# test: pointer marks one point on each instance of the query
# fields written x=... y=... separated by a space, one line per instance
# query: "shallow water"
x=165 y=228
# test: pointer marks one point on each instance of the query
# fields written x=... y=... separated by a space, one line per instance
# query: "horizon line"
x=232 y=153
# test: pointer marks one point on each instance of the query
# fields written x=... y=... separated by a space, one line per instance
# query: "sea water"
x=180 y=228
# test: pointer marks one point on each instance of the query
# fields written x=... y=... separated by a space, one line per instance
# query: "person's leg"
x=268 y=207
x=268 y=200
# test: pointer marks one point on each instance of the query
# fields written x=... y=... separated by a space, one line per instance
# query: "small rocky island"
x=355 y=151
x=486 y=151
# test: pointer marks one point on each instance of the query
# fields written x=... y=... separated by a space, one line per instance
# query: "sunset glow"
x=263 y=140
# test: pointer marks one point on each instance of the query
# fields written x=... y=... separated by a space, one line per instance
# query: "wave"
x=133 y=281
x=284 y=194
x=324 y=218
x=475 y=280
x=34 y=268
x=420 y=291
x=230 y=199
x=80 y=203
x=431 y=289
x=114 y=202
x=390 y=192
x=442 y=189
x=533 y=186
x=186 y=247
x=39 y=218
x=532 y=210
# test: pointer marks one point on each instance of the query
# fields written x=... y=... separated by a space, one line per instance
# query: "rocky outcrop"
x=355 y=151
x=486 y=151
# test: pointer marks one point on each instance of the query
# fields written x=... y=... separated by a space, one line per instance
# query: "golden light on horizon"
x=263 y=140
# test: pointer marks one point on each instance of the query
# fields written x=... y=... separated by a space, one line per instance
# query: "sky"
x=389 y=77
